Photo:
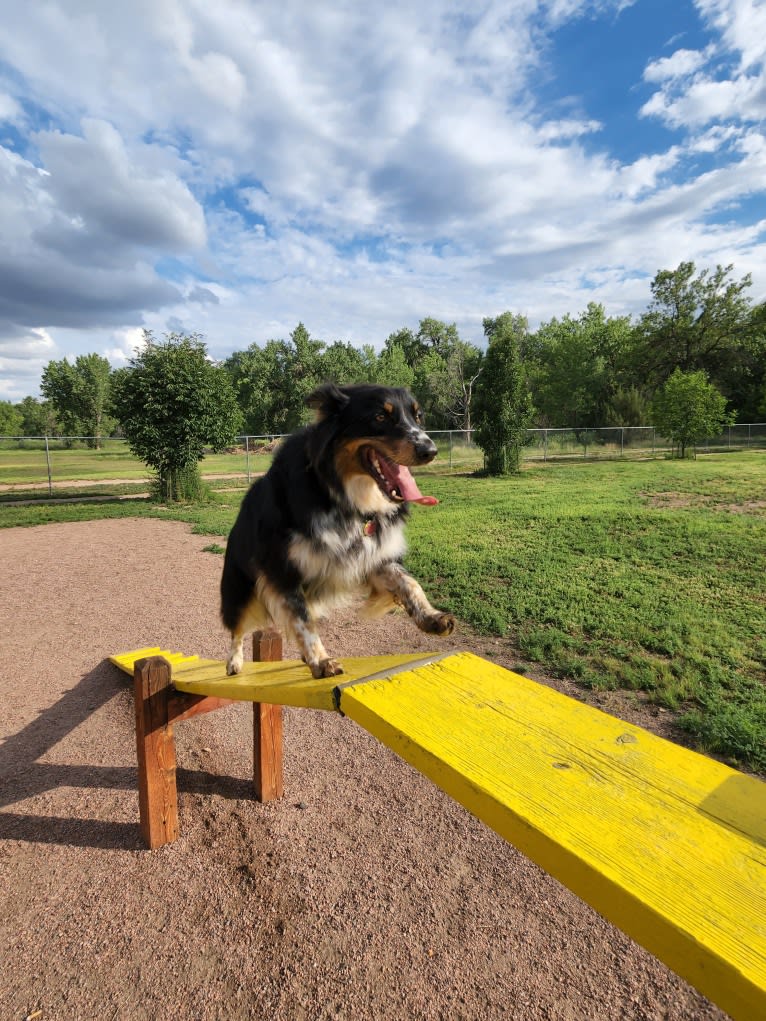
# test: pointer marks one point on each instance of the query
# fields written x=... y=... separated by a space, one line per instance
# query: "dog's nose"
x=425 y=449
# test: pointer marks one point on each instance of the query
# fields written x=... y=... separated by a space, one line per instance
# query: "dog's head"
x=370 y=436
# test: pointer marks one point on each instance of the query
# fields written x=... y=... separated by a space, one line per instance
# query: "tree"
x=445 y=369
x=10 y=419
x=414 y=347
x=38 y=418
x=392 y=368
x=693 y=322
x=272 y=382
x=172 y=402
x=688 y=408
x=503 y=405
x=580 y=369
x=79 y=394
x=343 y=363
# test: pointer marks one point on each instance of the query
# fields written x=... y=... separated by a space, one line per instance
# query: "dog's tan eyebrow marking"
x=388 y=408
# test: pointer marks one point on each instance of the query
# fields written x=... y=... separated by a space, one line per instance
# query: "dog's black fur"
x=327 y=521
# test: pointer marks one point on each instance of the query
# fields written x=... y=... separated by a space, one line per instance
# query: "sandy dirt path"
x=364 y=894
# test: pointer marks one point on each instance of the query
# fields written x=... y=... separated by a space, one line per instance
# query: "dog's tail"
x=236 y=592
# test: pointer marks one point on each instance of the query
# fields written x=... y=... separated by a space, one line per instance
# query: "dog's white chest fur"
x=336 y=565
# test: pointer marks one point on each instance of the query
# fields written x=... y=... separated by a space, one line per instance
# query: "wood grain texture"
x=667 y=844
x=287 y=682
x=268 y=765
x=155 y=750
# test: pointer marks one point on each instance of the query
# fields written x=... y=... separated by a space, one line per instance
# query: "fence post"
x=48 y=462
x=247 y=451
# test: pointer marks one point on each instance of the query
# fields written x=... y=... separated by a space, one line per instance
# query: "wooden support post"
x=155 y=747
x=267 y=726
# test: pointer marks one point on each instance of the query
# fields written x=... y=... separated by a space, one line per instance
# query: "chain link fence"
x=44 y=465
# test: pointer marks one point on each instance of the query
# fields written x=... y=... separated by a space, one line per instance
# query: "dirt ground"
x=364 y=894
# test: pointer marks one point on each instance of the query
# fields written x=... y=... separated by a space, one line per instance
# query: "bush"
x=172 y=402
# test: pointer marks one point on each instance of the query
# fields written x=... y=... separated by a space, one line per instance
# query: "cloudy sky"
x=235 y=167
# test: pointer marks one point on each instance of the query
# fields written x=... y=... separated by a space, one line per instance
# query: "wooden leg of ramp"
x=267 y=726
x=155 y=746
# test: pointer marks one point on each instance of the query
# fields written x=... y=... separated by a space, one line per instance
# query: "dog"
x=327 y=522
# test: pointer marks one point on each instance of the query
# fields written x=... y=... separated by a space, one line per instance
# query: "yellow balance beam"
x=284 y=682
x=667 y=844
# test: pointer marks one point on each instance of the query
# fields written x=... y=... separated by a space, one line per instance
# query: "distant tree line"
x=579 y=371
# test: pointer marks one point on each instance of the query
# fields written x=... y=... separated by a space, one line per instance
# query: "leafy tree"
x=445 y=369
x=694 y=321
x=392 y=368
x=742 y=377
x=628 y=406
x=437 y=335
x=252 y=372
x=688 y=408
x=503 y=405
x=272 y=382
x=343 y=363
x=38 y=418
x=10 y=419
x=413 y=347
x=79 y=394
x=172 y=402
x=580 y=369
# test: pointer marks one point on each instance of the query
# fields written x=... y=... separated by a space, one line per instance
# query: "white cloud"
x=125 y=345
x=678 y=65
x=235 y=168
x=10 y=110
x=742 y=24
x=23 y=356
x=693 y=91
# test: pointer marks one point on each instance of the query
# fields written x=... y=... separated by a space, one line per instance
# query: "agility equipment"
x=667 y=844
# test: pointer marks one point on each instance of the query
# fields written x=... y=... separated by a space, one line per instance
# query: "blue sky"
x=237 y=167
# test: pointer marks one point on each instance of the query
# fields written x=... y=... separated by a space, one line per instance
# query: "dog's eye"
x=380 y=417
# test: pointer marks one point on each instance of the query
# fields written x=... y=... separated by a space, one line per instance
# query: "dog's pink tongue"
x=408 y=488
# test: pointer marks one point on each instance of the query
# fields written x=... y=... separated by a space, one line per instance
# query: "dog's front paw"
x=234 y=665
x=326 y=668
x=441 y=624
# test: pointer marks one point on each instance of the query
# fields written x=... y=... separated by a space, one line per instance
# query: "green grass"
x=645 y=576
x=597 y=576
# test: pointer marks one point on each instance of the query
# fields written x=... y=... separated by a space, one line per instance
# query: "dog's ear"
x=327 y=400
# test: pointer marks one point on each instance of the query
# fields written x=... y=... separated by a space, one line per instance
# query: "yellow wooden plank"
x=127 y=660
x=667 y=844
x=286 y=682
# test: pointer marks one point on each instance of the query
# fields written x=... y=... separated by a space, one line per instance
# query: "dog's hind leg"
x=404 y=590
x=253 y=616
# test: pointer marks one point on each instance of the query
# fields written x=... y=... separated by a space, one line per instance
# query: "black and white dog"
x=327 y=522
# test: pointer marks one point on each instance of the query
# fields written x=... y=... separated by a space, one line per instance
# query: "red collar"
x=370 y=526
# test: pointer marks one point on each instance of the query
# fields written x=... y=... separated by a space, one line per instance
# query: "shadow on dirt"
x=24 y=778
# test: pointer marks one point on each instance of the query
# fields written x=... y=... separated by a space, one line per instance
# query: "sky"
x=234 y=168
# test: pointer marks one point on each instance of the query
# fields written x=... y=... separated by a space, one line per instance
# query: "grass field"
x=637 y=575
x=27 y=465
